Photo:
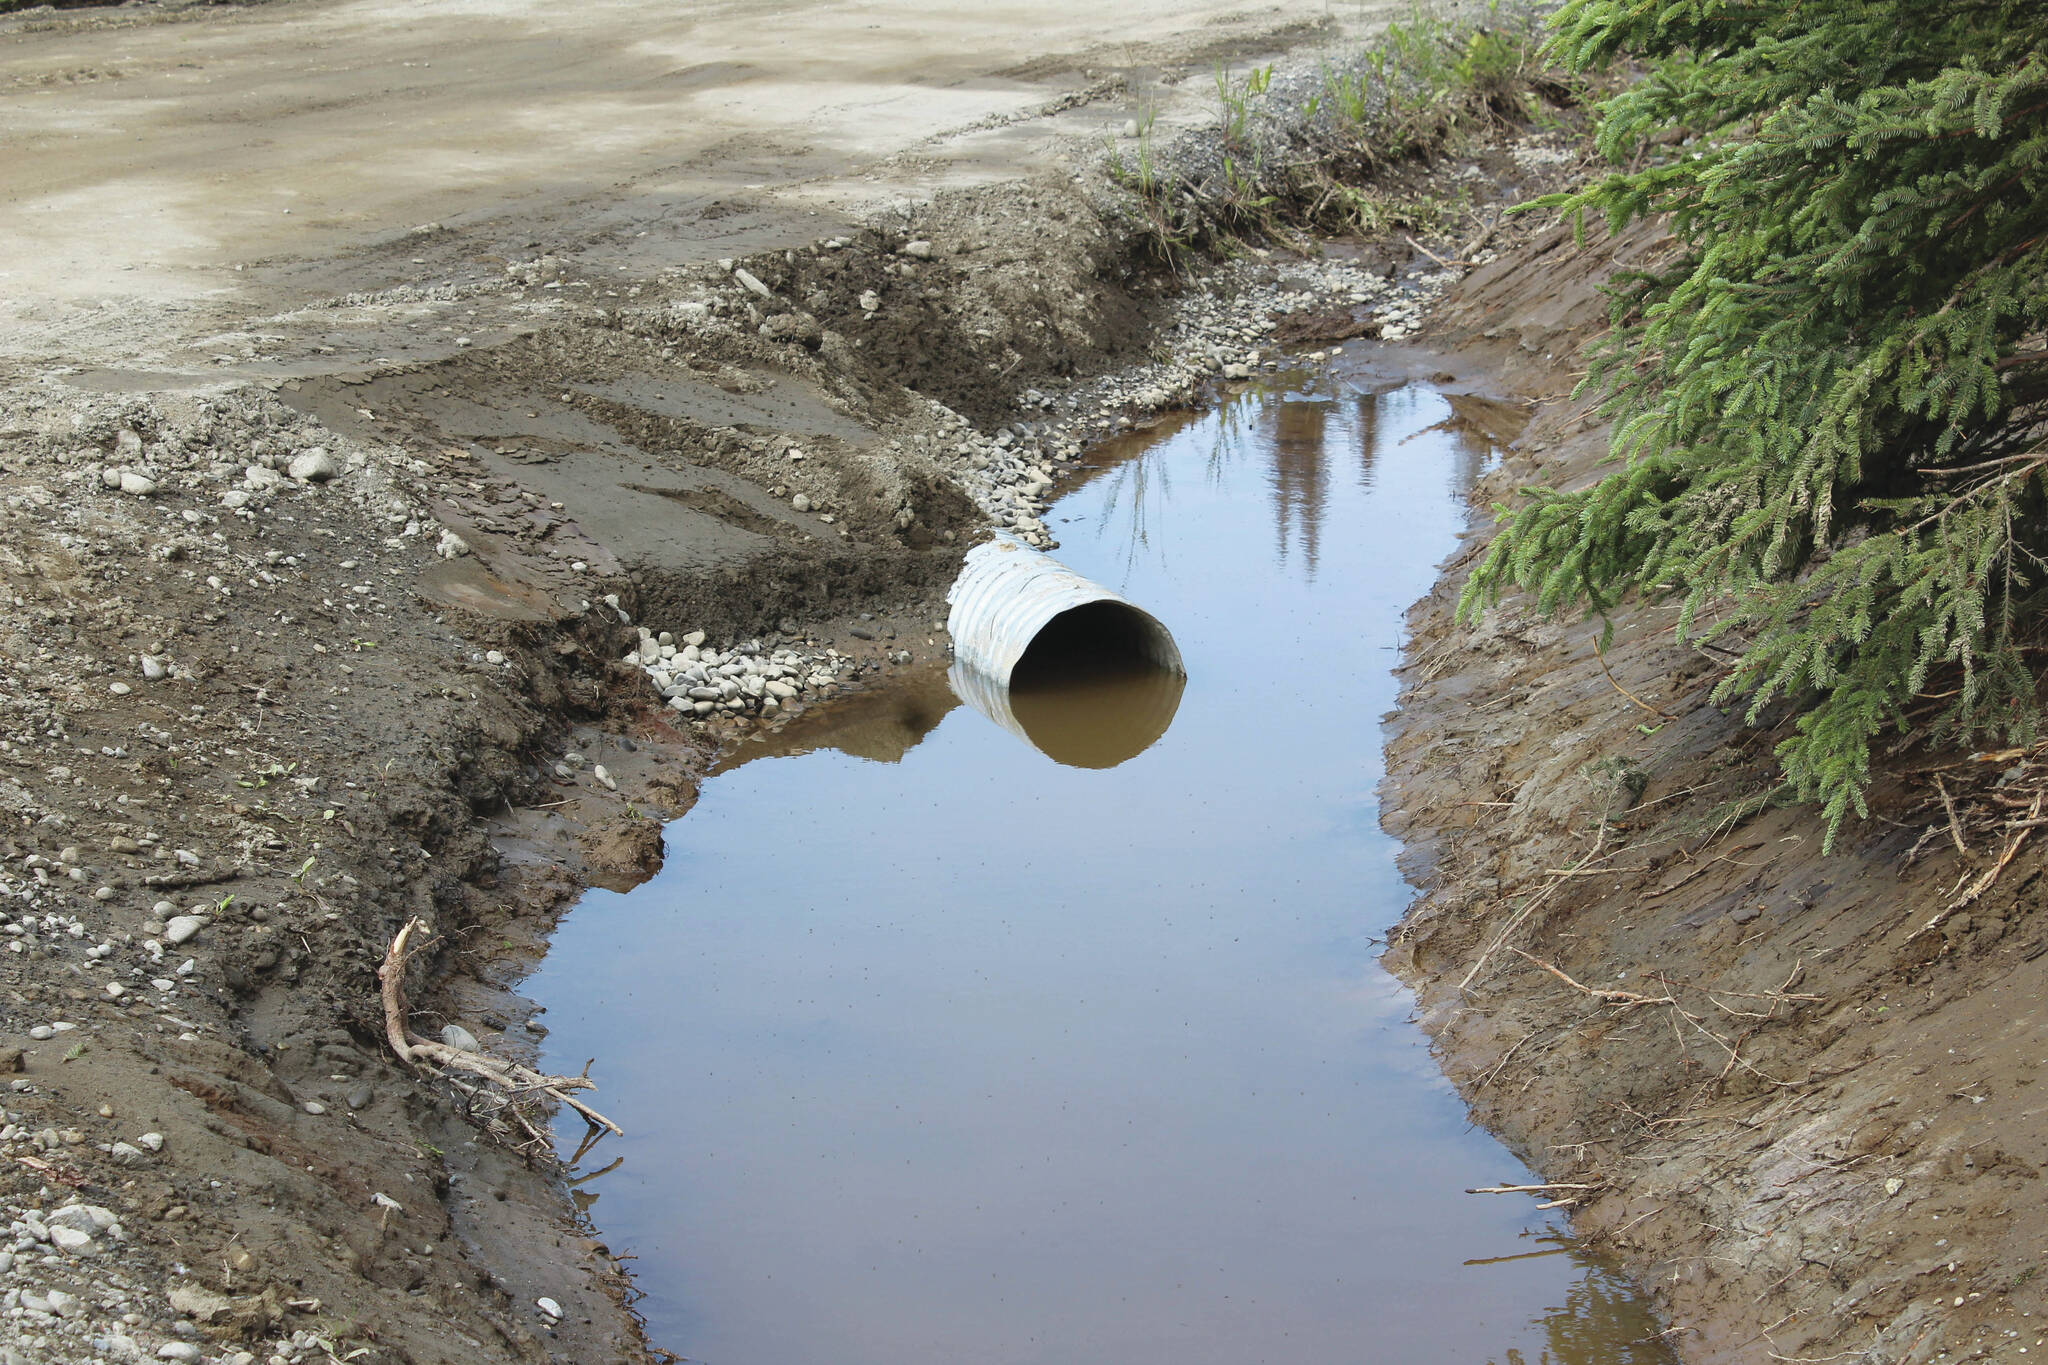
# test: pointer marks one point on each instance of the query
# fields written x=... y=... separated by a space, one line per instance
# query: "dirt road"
x=172 y=177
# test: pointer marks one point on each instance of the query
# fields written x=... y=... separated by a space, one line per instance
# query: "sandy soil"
x=1803 y=1112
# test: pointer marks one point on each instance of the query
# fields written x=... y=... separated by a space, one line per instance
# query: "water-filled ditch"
x=1063 y=1039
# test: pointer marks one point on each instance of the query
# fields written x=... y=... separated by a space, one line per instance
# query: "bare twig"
x=509 y=1077
x=1486 y=231
x=1529 y=908
x=1985 y=881
x=1544 y=1188
x=1955 y=829
x=1448 y=265
x=1600 y=655
x=1782 y=995
x=1631 y=999
x=1506 y=1057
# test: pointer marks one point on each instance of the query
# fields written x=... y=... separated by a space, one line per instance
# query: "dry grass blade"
x=1989 y=877
x=1530 y=906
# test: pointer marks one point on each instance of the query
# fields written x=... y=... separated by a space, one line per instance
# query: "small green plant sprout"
x=1349 y=96
x=1236 y=98
x=1148 y=161
x=1141 y=173
x=304 y=868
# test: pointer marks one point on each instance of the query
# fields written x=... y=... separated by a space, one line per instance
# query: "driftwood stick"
x=1448 y=265
x=1538 y=1189
x=1606 y=997
x=391 y=985
x=1948 y=803
x=1471 y=248
x=417 y=1051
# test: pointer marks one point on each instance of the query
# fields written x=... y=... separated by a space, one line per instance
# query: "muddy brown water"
x=940 y=1039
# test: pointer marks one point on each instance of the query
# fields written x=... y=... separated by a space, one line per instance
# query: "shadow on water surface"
x=880 y=725
x=930 y=1050
x=1083 y=715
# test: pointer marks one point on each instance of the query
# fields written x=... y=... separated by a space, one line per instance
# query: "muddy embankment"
x=1804 y=1117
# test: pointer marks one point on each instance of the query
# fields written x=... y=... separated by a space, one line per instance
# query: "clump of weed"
x=1322 y=155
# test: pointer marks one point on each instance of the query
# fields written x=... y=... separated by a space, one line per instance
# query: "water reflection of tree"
x=1474 y=453
x=1294 y=429
x=1603 y=1321
x=1396 y=409
x=1367 y=410
x=1138 y=489
x=1130 y=489
x=1301 y=491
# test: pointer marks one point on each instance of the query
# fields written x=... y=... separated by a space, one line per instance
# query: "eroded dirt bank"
x=1793 y=1091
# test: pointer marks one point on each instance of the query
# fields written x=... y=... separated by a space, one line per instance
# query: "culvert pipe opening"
x=1105 y=637
x=1063 y=663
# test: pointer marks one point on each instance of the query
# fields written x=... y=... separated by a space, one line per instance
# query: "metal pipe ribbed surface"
x=1008 y=592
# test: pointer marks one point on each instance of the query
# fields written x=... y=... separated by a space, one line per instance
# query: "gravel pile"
x=698 y=680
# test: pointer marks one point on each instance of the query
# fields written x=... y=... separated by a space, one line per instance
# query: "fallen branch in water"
x=1448 y=265
x=510 y=1077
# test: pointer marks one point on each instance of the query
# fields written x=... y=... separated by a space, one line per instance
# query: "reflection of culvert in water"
x=1064 y=664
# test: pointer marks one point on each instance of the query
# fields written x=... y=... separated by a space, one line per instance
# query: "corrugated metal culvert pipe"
x=1062 y=663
